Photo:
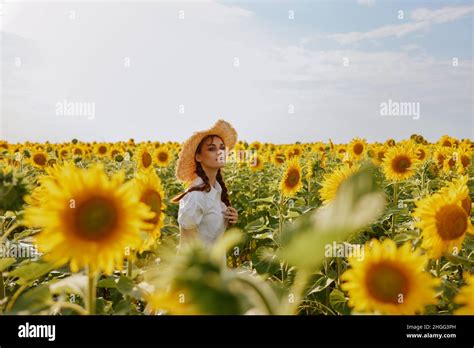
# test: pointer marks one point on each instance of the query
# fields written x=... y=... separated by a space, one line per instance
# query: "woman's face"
x=212 y=154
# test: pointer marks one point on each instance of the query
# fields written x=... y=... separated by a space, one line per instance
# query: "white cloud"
x=366 y=2
x=422 y=18
x=191 y=63
x=442 y=15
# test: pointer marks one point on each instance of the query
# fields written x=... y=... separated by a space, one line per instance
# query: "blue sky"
x=152 y=75
x=325 y=17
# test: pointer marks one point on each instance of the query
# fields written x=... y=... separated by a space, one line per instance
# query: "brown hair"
x=205 y=186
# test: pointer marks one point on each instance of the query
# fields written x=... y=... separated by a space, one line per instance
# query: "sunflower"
x=87 y=219
x=458 y=188
x=447 y=141
x=101 y=149
x=421 y=152
x=462 y=156
x=144 y=158
x=389 y=280
x=377 y=153
x=400 y=162
x=256 y=162
x=171 y=302
x=278 y=158
x=293 y=151
x=162 y=156
x=440 y=154
x=465 y=297
x=332 y=181
x=291 y=181
x=151 y=192
x=63 y=153
x=256 y=145
x=443 y=221
x=357 y=148
x=449 y=163
x=39 y=159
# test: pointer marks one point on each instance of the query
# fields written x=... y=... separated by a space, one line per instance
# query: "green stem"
x=7 y=233
x=395 y=201
x=338 y=263
x=2 y=287
x=129 y=266
x=280 y=215
x=15 y=296
x=91 y=292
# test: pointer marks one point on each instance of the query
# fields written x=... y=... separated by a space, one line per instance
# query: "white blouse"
x=203 y=210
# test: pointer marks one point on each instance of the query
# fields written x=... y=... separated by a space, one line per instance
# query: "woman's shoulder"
x=192 y=196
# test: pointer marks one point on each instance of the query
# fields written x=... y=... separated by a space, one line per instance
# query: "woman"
x=204 y=208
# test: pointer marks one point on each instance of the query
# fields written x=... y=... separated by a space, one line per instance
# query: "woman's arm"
x=187 y=235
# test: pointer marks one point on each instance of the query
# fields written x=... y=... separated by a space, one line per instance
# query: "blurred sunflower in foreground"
x=332 y=181
x=87 y=219
x=389 y=280
x=465 y=296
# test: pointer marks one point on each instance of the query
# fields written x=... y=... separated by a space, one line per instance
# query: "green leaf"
x=127 y=287
x=458 y=260
x=32 y=301
x=263 y=200
x=107 y=283
x=6 y=262
x=123 y=307
x=338 y=301
x=265 y=261
x=31 y=270
x=255 y=226
x=321 y=284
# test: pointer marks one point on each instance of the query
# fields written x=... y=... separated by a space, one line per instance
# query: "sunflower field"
x=324 y=228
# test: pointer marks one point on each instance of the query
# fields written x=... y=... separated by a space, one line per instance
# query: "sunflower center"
x=146 y=159
x=162 y=156
x=381 y=155
x=387 y=283
x=292 y=178
x=102 y=150
x=39 y=159
x=358 y=148
x=95 y=218
x=153 y=200
x=440 y=159
x=451 y=222
x=400 y=164
x=421 y=154
x=465 y=161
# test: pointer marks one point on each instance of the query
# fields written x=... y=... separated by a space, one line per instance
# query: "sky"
x=279 y=71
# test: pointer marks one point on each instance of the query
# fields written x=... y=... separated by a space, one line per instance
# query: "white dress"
x=203 y=210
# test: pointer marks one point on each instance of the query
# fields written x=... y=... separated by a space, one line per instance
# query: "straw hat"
x=186 y=167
